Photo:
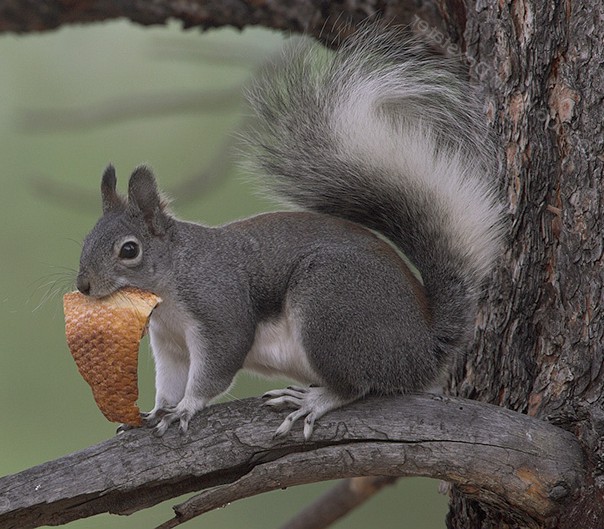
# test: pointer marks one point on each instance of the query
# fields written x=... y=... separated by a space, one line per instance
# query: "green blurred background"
x=50 y=165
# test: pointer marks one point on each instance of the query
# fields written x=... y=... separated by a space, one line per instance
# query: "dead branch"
x=129 y=108
x=508 y=459
x=316 y=17
x=338 y=501
x=192 y=188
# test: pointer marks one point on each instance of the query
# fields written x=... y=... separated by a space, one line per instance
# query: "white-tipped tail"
x=382 y=133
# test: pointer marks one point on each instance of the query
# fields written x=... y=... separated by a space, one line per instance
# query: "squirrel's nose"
x=83 y=284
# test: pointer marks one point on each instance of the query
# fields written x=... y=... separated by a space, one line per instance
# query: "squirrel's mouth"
x=98 y=288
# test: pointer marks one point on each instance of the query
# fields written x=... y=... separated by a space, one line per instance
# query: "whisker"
x=69 y=269
x=230 y=397
x=78 y=243
x=51 y=286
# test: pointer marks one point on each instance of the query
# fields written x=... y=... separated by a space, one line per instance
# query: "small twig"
x=214 y=172
x=198 y=184
x=290 y=471
x=337 y=502
x=218 y=53
x=129 y=108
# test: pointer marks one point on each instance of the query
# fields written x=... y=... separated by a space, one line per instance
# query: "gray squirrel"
x=383 y=150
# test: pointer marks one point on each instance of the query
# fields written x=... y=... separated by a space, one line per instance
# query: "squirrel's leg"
x=347 y=304
x=192 y=399
x=312 y=403
x=206 y=377
x=171 y=374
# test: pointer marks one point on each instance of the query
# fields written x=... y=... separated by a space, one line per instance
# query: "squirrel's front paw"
x=183 y=412
x=149 y=419
x=153 y=417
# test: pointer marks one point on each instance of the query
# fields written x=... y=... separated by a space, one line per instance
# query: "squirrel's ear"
x=110 y=197
x=144 y=196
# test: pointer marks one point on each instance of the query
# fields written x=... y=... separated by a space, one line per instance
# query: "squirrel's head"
x=130 y=244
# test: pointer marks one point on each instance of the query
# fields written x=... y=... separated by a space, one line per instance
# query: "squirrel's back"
x=383 y=134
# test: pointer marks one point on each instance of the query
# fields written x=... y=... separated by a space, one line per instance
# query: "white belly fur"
x=278 y=350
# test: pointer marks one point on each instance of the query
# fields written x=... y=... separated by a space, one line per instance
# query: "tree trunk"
x=538 y=348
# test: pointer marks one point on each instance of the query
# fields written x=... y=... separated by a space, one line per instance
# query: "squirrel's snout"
x=83 y=284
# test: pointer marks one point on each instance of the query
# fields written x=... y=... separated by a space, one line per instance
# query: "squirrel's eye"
x=129 y=250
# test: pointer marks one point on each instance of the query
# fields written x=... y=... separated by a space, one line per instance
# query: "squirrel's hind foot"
x=312 y=403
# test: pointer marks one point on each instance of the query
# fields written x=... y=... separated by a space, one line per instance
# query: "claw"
x=312 y=403
x=309 y=426
x=287 y=392
x=161 y=428
x=298 y=389
x=289 y=421
x=154 y=417
x=183 y=412
x=184 y=422
x=123 y=428
x=283 y=402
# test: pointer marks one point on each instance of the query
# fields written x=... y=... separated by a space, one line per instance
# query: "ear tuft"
x=142 y=189
x=111 y=200
x=143 y=196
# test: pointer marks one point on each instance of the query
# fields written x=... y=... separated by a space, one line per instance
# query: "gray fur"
x=316 y=295
x=382 y=134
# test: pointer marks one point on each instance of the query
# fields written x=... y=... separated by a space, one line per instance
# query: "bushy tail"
x=384 y=135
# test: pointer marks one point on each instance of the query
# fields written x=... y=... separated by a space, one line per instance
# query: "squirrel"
x=384 y=152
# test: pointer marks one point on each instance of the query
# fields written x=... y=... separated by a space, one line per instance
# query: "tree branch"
x=510 y=460
x=277 y=475
x=337 y=502
x=315 y=17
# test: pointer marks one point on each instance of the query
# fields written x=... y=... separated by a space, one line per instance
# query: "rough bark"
x=539 y=341
x=326 y=20
x=505 y=458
